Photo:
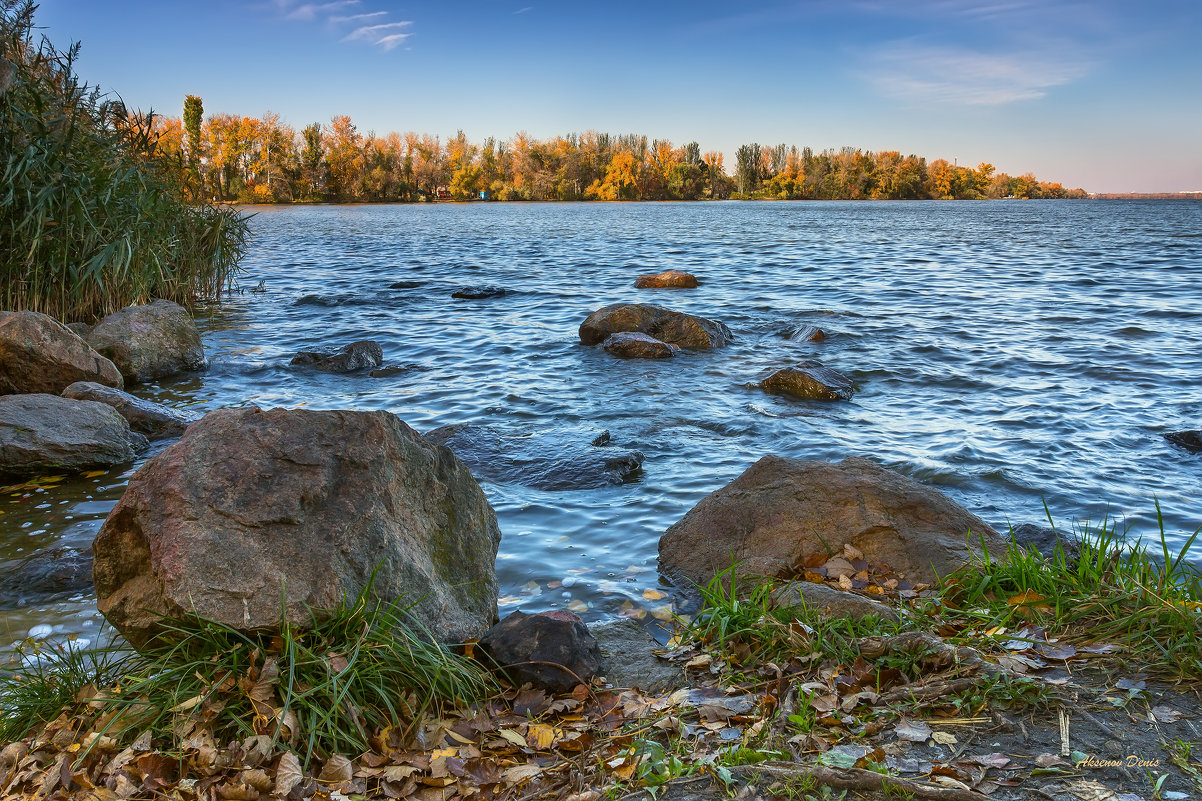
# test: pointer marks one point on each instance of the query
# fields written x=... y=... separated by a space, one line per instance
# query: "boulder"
x=809 y=380
x=1190 y=440
x=781 y=512
x=152 y=419
x=555 y=459
x=805 y=333
x=831 y=601
x=47 y=434
x=670 y=279
x=361 y=355
x=629 y=345
x=45 y=576
x=1045 y=539
x=252 y=508
x=628 y=658
x=40 y=355
x=552 y=650
x=479 y=292
x=677 y=328
x=80 y=330
x=156 y=340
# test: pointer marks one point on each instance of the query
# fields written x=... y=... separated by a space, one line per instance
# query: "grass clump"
x=92 y=216
x=1110 y=590
x=361 y=671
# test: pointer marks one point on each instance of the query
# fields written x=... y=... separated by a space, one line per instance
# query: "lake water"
x=1012 y=353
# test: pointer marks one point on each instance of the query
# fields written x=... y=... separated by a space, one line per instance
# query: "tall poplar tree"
x=193 y=115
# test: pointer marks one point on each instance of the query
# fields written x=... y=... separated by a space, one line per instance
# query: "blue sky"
x=1102 y=95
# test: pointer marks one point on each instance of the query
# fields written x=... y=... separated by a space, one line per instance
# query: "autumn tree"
x=193 y=115
x=344 y=158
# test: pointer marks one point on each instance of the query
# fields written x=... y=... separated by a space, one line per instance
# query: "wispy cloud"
x=384 y=34
x=926 y=74
x=523 y=10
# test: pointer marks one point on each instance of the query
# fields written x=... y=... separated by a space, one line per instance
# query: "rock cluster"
x=676 y=328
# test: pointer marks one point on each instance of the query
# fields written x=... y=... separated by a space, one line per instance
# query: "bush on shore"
x=92 y=216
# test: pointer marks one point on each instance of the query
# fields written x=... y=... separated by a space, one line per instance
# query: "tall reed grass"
x=92 y=217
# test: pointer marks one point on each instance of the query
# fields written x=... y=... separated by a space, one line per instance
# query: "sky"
x=1106 y=96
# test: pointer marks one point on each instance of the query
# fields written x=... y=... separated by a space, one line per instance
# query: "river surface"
x=1012 y=353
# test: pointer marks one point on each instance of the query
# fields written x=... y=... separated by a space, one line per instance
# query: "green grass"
x=1115 y=590
x=92 y=216
x=357 y=670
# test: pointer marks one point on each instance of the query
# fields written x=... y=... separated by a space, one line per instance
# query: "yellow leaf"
x=1025 y=598
x=512 y=736
x=520 y=773
x=577 y=606
x=654 y=595
x=542 y=736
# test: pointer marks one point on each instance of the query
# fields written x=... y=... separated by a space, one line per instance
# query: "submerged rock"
x=629 y=345
x=45 y=434
x=252 y=509
x=1045 y=539
x=557 y=459
x=39 y=354
x=677 y=328
x=45 y=576
x=809 y=380
x=146 y=417
x=782 y=512
x=806 y=333
x=479 y=292
x=1190 y=440
x=552 y=650
x=669 y=279
x=361 y=355
x=147 y=342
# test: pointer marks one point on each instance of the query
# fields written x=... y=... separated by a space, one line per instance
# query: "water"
x=1011 y=353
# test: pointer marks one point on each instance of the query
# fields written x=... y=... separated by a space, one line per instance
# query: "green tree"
x=193 y=116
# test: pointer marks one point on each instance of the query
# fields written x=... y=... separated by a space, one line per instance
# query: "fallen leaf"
x=1166 y=714
x=513 y=736
x=654 y=595
x=520 y=773
x=943 y=737
x=914 y=731
x=336 y=770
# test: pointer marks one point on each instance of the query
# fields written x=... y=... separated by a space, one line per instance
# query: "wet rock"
x=552 y=650
x=1045 y=539
x=629 y=345
x=670 y=279
x=479 y=292
x=389 y=370
x=148 y=342
x=809 y=380
x=152 y=419
x=39 y=354
x=782 y=512
x=45 y=576
x=557 y=459
x=628 y=658
x=831 y=601
x=407 y=285
x=677 y=328
x=361 y=355
x=45 y=434
x=1190 y=440
x=253 y=506
x=806 y=333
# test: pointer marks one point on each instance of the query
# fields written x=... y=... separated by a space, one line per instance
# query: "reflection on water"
x=1010 y=353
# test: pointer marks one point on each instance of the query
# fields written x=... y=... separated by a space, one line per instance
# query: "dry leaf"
x=336 y=770
x=288 y=774
x=913 y=731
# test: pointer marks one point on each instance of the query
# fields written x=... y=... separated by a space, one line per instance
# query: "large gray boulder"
x=782 y=512
x=554 y=459
x=153 y=420
x=252 y=507
x=43 y=433
x=152 y=341
x=673 y=327
x=39 y=354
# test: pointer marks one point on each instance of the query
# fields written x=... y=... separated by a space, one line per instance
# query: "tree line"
x=227 y=157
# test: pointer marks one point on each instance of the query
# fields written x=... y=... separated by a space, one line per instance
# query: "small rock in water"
x=1190 y=440
x=666 y=325
x=809 y=380
x=361 y=355
x=407 y=285
x=152 y=341
x=806 y=333
x=670 y=279
x=41 y=632
x=631 y=345
x=553 y=650
x=44 y=576
x=478 y=292
x=555 y=459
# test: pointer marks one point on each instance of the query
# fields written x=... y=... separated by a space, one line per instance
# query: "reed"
x=92 y=216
